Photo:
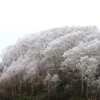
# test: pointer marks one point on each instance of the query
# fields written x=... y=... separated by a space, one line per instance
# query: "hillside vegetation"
x=56 y=64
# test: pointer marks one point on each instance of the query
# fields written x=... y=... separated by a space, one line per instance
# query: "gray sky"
x=20 y=17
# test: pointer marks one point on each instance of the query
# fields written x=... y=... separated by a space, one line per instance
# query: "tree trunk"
x=82 y=86
x=56 y=93
x=20 y=85
x=32 y=88
x=49 y=90
x=87 y=90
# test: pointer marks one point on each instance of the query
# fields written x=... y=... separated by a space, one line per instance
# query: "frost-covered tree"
x=87 y=67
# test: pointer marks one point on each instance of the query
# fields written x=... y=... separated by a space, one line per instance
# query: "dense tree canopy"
x=67 y=54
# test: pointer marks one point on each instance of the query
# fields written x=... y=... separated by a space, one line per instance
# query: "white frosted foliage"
x=55 y=78
x=70 y=48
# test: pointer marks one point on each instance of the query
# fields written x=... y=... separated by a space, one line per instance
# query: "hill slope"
x=54 y=60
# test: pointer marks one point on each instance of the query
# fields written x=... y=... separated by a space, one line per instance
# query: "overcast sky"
x=20 y=17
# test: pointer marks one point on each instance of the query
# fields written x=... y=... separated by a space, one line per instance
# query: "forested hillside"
x=56 y=64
